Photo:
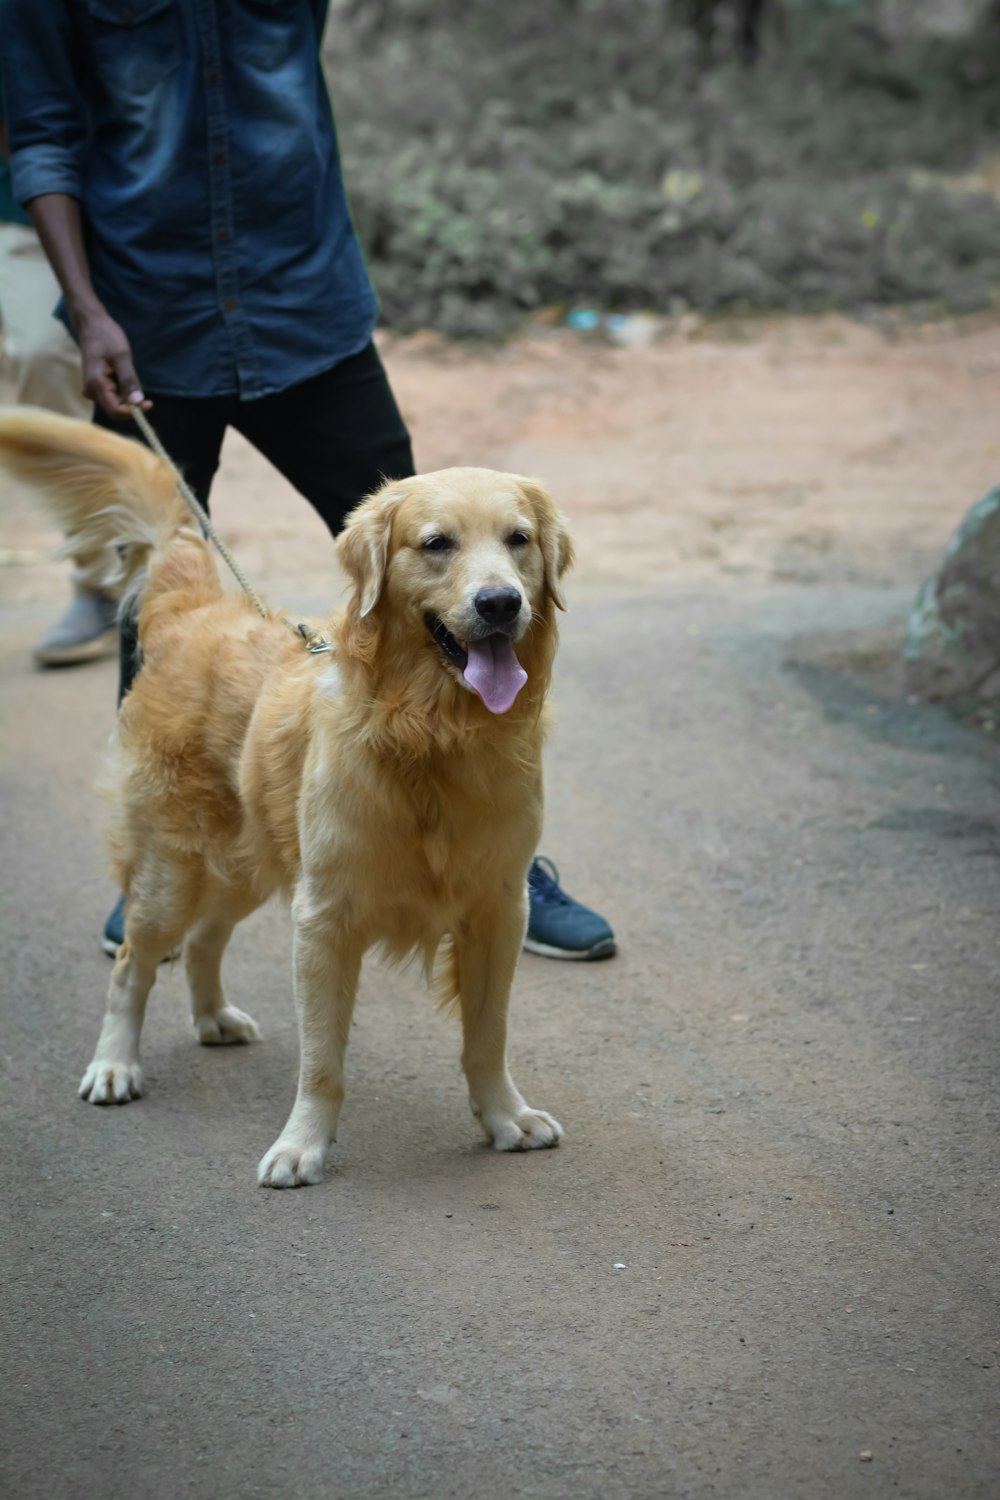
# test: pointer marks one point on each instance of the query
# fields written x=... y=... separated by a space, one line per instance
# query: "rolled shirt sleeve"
x=45 y=116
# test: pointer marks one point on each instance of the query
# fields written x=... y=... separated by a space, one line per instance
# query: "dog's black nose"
x=498 y=606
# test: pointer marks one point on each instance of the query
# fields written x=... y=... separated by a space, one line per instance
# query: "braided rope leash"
x=316 y=640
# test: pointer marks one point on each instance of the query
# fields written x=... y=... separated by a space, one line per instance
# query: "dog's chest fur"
x=402 y=849
x=433 y=831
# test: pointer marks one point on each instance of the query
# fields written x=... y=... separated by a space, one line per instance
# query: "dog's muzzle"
x=488 y=665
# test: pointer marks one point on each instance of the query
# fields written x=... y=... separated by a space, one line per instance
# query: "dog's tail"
x=112 y=497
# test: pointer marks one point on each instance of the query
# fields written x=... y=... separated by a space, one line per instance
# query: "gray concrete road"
x=763 y=1262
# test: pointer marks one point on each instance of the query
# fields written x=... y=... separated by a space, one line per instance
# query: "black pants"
x=335 y=438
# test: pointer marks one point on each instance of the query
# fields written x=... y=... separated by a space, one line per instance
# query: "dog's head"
x=465 y=565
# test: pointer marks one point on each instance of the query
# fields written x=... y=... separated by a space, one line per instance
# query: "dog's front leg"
x=486 y=950
x=327 y=966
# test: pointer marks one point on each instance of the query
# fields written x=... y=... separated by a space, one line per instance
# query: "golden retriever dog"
x=392 y=788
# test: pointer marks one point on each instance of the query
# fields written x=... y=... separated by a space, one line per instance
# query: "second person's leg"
x=336 y=438
x=191 y=431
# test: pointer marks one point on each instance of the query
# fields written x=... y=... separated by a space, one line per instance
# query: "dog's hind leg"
x=485 y=953
x=216 y=1023
x=115 y=1073
x=159 y=905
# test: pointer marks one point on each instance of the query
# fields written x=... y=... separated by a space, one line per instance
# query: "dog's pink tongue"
x=495 y=672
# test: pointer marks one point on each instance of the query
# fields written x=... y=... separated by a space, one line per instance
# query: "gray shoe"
x=86 y=631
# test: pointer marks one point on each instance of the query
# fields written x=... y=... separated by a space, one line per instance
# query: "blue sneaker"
x=114 y=929
x=114 y=933
x=558 y=926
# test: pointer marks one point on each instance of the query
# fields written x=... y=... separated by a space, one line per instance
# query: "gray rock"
x=952 y=647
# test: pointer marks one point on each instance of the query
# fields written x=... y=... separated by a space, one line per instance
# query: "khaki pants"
x=44 y=359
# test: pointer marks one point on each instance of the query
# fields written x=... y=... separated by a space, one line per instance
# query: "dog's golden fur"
x=371 y=784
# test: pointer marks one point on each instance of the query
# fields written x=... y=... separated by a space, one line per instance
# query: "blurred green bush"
x=503 y=158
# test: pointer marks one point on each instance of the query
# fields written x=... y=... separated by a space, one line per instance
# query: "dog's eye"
x=438 y=544
x=518 y=539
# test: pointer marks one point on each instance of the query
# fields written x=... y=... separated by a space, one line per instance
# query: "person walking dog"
x=179 y=161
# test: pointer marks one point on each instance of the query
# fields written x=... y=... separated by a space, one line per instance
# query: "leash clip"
x=317 y=641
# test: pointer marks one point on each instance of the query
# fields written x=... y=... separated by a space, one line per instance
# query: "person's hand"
x=109 y=376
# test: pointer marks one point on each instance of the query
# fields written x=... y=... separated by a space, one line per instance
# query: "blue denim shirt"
x=198 y=137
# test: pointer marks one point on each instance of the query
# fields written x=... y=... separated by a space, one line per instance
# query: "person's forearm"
x=108 y=372
x=56 y=217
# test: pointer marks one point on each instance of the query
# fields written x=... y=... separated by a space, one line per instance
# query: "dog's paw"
x=527 y=1130
x=226 y=1027
x=111 y=1083
x=289 y=1164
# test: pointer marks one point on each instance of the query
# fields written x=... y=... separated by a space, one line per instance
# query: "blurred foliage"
x=506 y=157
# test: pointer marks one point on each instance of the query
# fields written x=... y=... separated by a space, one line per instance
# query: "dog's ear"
x=553 y=538
x=363 y=545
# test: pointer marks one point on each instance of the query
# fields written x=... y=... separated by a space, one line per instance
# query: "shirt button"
x=229 y=304
x=223 y=234
x=218 y=158
x=213 y=76
x=128 y=15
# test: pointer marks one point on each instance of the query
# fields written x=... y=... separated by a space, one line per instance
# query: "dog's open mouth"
x=489 y=665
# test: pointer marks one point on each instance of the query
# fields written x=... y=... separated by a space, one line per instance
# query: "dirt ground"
x=793 y=451
x=762 y=1265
